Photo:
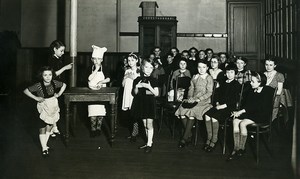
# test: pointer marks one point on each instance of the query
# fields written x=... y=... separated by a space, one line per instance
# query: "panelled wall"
x=281 y=29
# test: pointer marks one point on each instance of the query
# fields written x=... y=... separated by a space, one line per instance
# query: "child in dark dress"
x=57 y=49
x=257 y=109
x=145 y=89
x=226 y=97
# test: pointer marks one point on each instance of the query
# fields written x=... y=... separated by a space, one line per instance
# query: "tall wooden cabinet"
x=156 y=31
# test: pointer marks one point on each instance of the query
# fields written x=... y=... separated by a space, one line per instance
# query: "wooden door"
x=246 y=31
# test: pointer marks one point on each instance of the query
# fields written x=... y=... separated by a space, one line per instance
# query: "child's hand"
x=130 y=75
x=191 y=100
x=146 y=85
x=40 y=99
x=236 y=113
x=69 y=66
x=139 y=85
x=56 y=95
x=97 y=67
x=218 y=107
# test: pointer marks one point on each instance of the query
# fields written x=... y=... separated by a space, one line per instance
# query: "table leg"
x=67 y=122
x=113 y=122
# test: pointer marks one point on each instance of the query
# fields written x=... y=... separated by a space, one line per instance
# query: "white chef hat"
x=98 y=52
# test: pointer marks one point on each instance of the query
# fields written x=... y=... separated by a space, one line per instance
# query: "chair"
x=170 y=107
x=259 y=128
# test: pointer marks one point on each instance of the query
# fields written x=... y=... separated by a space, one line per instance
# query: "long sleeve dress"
x=258 y=105
x=144 y=104
x=227 y=93
x=200 y=90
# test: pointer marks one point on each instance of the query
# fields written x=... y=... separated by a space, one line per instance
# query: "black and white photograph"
x=149 y=89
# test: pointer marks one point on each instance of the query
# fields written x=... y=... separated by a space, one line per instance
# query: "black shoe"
x=181 y=144
x=50 y=149
x=211 y=147
x=148 y=149
x=93 y=134
x=143 y=146
x=232 y=156
x=241 y=152
x=45 y=153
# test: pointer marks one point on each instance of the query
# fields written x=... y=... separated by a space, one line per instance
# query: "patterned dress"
x=201 y=89
x=48 y=109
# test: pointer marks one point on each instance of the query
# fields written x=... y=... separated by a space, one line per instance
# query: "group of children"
x=218 y=89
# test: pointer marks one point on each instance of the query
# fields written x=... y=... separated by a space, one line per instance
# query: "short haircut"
x=241 y=58
x=193 y=48
x=261 y=77
x=231 y=66
x=203 y=61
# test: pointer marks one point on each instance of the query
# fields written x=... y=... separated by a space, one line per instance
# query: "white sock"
x=43 y=141
x=47 y=138
x=150 y=137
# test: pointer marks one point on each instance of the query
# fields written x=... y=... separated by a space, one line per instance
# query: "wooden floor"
x=21 y=157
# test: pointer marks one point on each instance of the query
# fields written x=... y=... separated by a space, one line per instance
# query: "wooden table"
x=84 y=94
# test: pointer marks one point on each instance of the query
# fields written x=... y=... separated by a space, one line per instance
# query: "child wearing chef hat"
x=97 y=79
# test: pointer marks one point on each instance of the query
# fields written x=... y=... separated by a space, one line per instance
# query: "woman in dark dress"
x=257 y=109
x=226 y=97
x=145 y=89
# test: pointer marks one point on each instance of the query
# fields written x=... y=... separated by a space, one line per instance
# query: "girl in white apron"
x=130 y=74
x=96 y=81
x=45 y=93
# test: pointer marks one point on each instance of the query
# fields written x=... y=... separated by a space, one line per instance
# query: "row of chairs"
x=167 y=109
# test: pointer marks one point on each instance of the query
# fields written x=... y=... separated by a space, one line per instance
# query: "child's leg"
x=188 y=129
x=215 y=130
x=93 y=123
x=43 y=138
x=184 y=121
x=135 y=126
x=244 y=132
x=55 y=129
x=99 y=123
x=145 y=125
x=208 y=129
x=150 y=129
x=48 y=133
x=236 y=134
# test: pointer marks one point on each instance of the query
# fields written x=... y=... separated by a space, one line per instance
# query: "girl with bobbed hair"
x=257 y=109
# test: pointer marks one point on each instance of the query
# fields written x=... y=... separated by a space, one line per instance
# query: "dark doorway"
x=245 y=26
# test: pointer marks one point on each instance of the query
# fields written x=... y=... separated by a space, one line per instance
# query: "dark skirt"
x=143 y=107
x=256 y=117
x=219 y=115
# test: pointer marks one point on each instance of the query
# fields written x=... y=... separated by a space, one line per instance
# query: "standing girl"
x=45 y=93
x=57 y=49
x=96 y=80
x=200 y=92
x=130 y=74
x=145 y=89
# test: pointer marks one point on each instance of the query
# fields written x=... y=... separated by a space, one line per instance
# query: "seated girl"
x=257 y=109
x=181 y=72
x=226 y=97
x=200 y=92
